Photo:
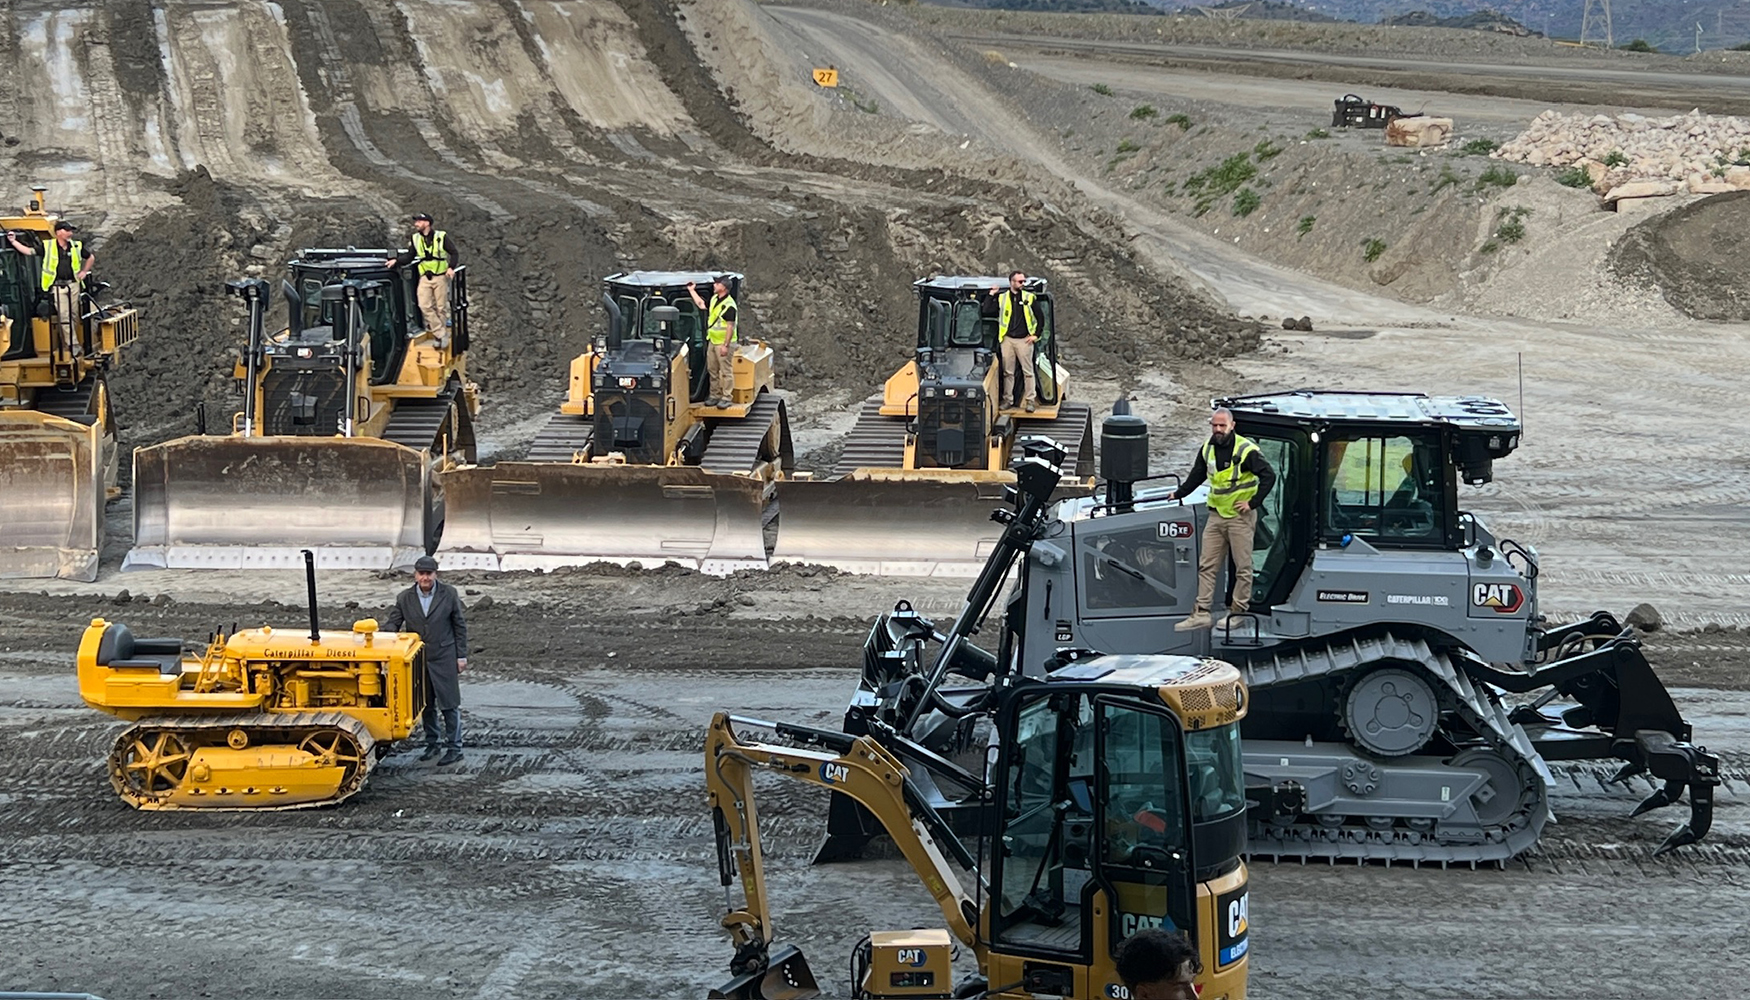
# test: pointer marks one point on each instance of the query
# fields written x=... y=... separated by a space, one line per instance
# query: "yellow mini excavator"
x=57 y=433
x=636 y=466
x=347 y=415
x=1109 y=797
x=934 y=448
x=261 y=719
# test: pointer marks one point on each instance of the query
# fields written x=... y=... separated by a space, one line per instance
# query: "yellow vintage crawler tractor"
x=57 y=433
x=261 y=719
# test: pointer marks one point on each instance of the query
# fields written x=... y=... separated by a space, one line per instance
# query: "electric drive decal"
x=1233 y=920
x=1504 y=598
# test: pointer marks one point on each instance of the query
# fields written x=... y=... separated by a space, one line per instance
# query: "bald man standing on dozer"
x=1239 y=479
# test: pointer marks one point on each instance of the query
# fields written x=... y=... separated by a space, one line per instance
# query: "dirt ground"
x=570 y=854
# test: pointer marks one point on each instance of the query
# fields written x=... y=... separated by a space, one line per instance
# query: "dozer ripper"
x=347 y=415
x=1115 y=801
x=935 y=445
x=636 y=466
x=260 y=719
x=58 y=453
x=1406 y=696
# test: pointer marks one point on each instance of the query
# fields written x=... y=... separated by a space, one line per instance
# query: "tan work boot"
x=1029 y=405
x=1198 y=619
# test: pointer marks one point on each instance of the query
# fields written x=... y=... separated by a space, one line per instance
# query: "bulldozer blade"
x=51 y=496
x=236 y=502
x=786 y=976
x=889 y=526
x=542 y=515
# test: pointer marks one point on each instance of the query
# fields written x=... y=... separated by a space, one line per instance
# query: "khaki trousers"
x=434 y=303
x=1222 y=535
x=66 y=298
x=721 y=365
x=1017 y=355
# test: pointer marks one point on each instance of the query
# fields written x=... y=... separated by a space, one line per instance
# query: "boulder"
x=1646 y=618
x=1641 y=189
x=1421 y=132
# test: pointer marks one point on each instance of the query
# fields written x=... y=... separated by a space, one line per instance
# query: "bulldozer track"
x=1073 y=429
x=565 y=437
x=737 y=444
x=296 y=721
x=875 y=441
x=1476 y=706
x=417 y=423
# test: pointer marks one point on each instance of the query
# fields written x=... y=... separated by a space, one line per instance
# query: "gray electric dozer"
x=1406 y=695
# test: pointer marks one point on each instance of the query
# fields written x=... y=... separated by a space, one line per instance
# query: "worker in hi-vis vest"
x=1017 y=332
x=65 y=266
x=434 y=251
x=1239 y=480
x=720 y=340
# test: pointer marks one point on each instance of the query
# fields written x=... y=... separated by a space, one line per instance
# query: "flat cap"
x=425 y=564
x=422 y=217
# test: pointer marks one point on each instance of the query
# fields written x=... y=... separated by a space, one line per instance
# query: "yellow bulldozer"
x=932 y=453
x=348 y=413
x=57 y=432
x=260 y=719
x=636 y=465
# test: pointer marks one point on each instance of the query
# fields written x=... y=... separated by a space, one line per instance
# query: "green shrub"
x=1574 y=177
x=1225 y=178
x=1126 y=146
x=1497 y=176
x=1305 y=224
x=1318 y=133
x=1615 y=158
x=1510 y=224
x=1479 y=147
x=1180 y=119
x=1266 y=150
x=1143 y=111
x=1246 y=202
x=1638 y=45
x=1371 y=248
x=1101 y=89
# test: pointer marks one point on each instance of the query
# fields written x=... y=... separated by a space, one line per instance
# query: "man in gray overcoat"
x=433 y=610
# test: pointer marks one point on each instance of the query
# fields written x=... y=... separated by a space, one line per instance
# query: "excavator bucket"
x=899 y=524
x=541 y=515
x=786 y=976
x=51 y=496
x=235 y=502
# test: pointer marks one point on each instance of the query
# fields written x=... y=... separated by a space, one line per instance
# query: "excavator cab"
x=1117 y=803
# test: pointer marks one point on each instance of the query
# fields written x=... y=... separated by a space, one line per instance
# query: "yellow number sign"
x=826 y=77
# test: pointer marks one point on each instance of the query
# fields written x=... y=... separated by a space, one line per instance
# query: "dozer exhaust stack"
x=1624 y=711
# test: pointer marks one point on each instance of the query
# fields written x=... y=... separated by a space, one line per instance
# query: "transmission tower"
x=1597 y=15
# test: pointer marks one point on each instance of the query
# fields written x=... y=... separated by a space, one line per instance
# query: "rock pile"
x=1632 y=156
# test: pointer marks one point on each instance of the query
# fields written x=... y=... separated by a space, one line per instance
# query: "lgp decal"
x=1173 y=529
x=1504 y=598
x=834 y=774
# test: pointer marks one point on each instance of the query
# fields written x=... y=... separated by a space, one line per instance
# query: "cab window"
x=1047 y=826
x=1384 y=488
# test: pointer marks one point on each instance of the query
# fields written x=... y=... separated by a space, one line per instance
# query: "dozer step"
x=565 y=436
x=875 y=441
x=736 y=443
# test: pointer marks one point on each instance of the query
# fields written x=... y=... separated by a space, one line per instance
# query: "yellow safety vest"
x=716 y=326
x=52 y=260
x=432 y=259
x=1008 y=308
x=1227 y=487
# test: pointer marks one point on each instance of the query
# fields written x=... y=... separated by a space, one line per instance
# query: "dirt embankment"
x=557 y=148
x=1694 y=256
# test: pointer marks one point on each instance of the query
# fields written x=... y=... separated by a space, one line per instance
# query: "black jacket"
x=445 y=632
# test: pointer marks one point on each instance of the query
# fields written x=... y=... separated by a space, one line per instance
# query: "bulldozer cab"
x=18 y=298
x=958 y=335
x=386 y=310
x=636 y=294
x=1379 y=467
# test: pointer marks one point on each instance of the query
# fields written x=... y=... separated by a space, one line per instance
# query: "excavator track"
x=287 y=761
x=1348 y=826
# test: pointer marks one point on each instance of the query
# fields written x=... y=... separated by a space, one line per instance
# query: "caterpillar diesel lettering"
x=636 y=465
x=929 y=455
x=1406 y=694
x=347 y=414
x=57 y=432
x=261 y=719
